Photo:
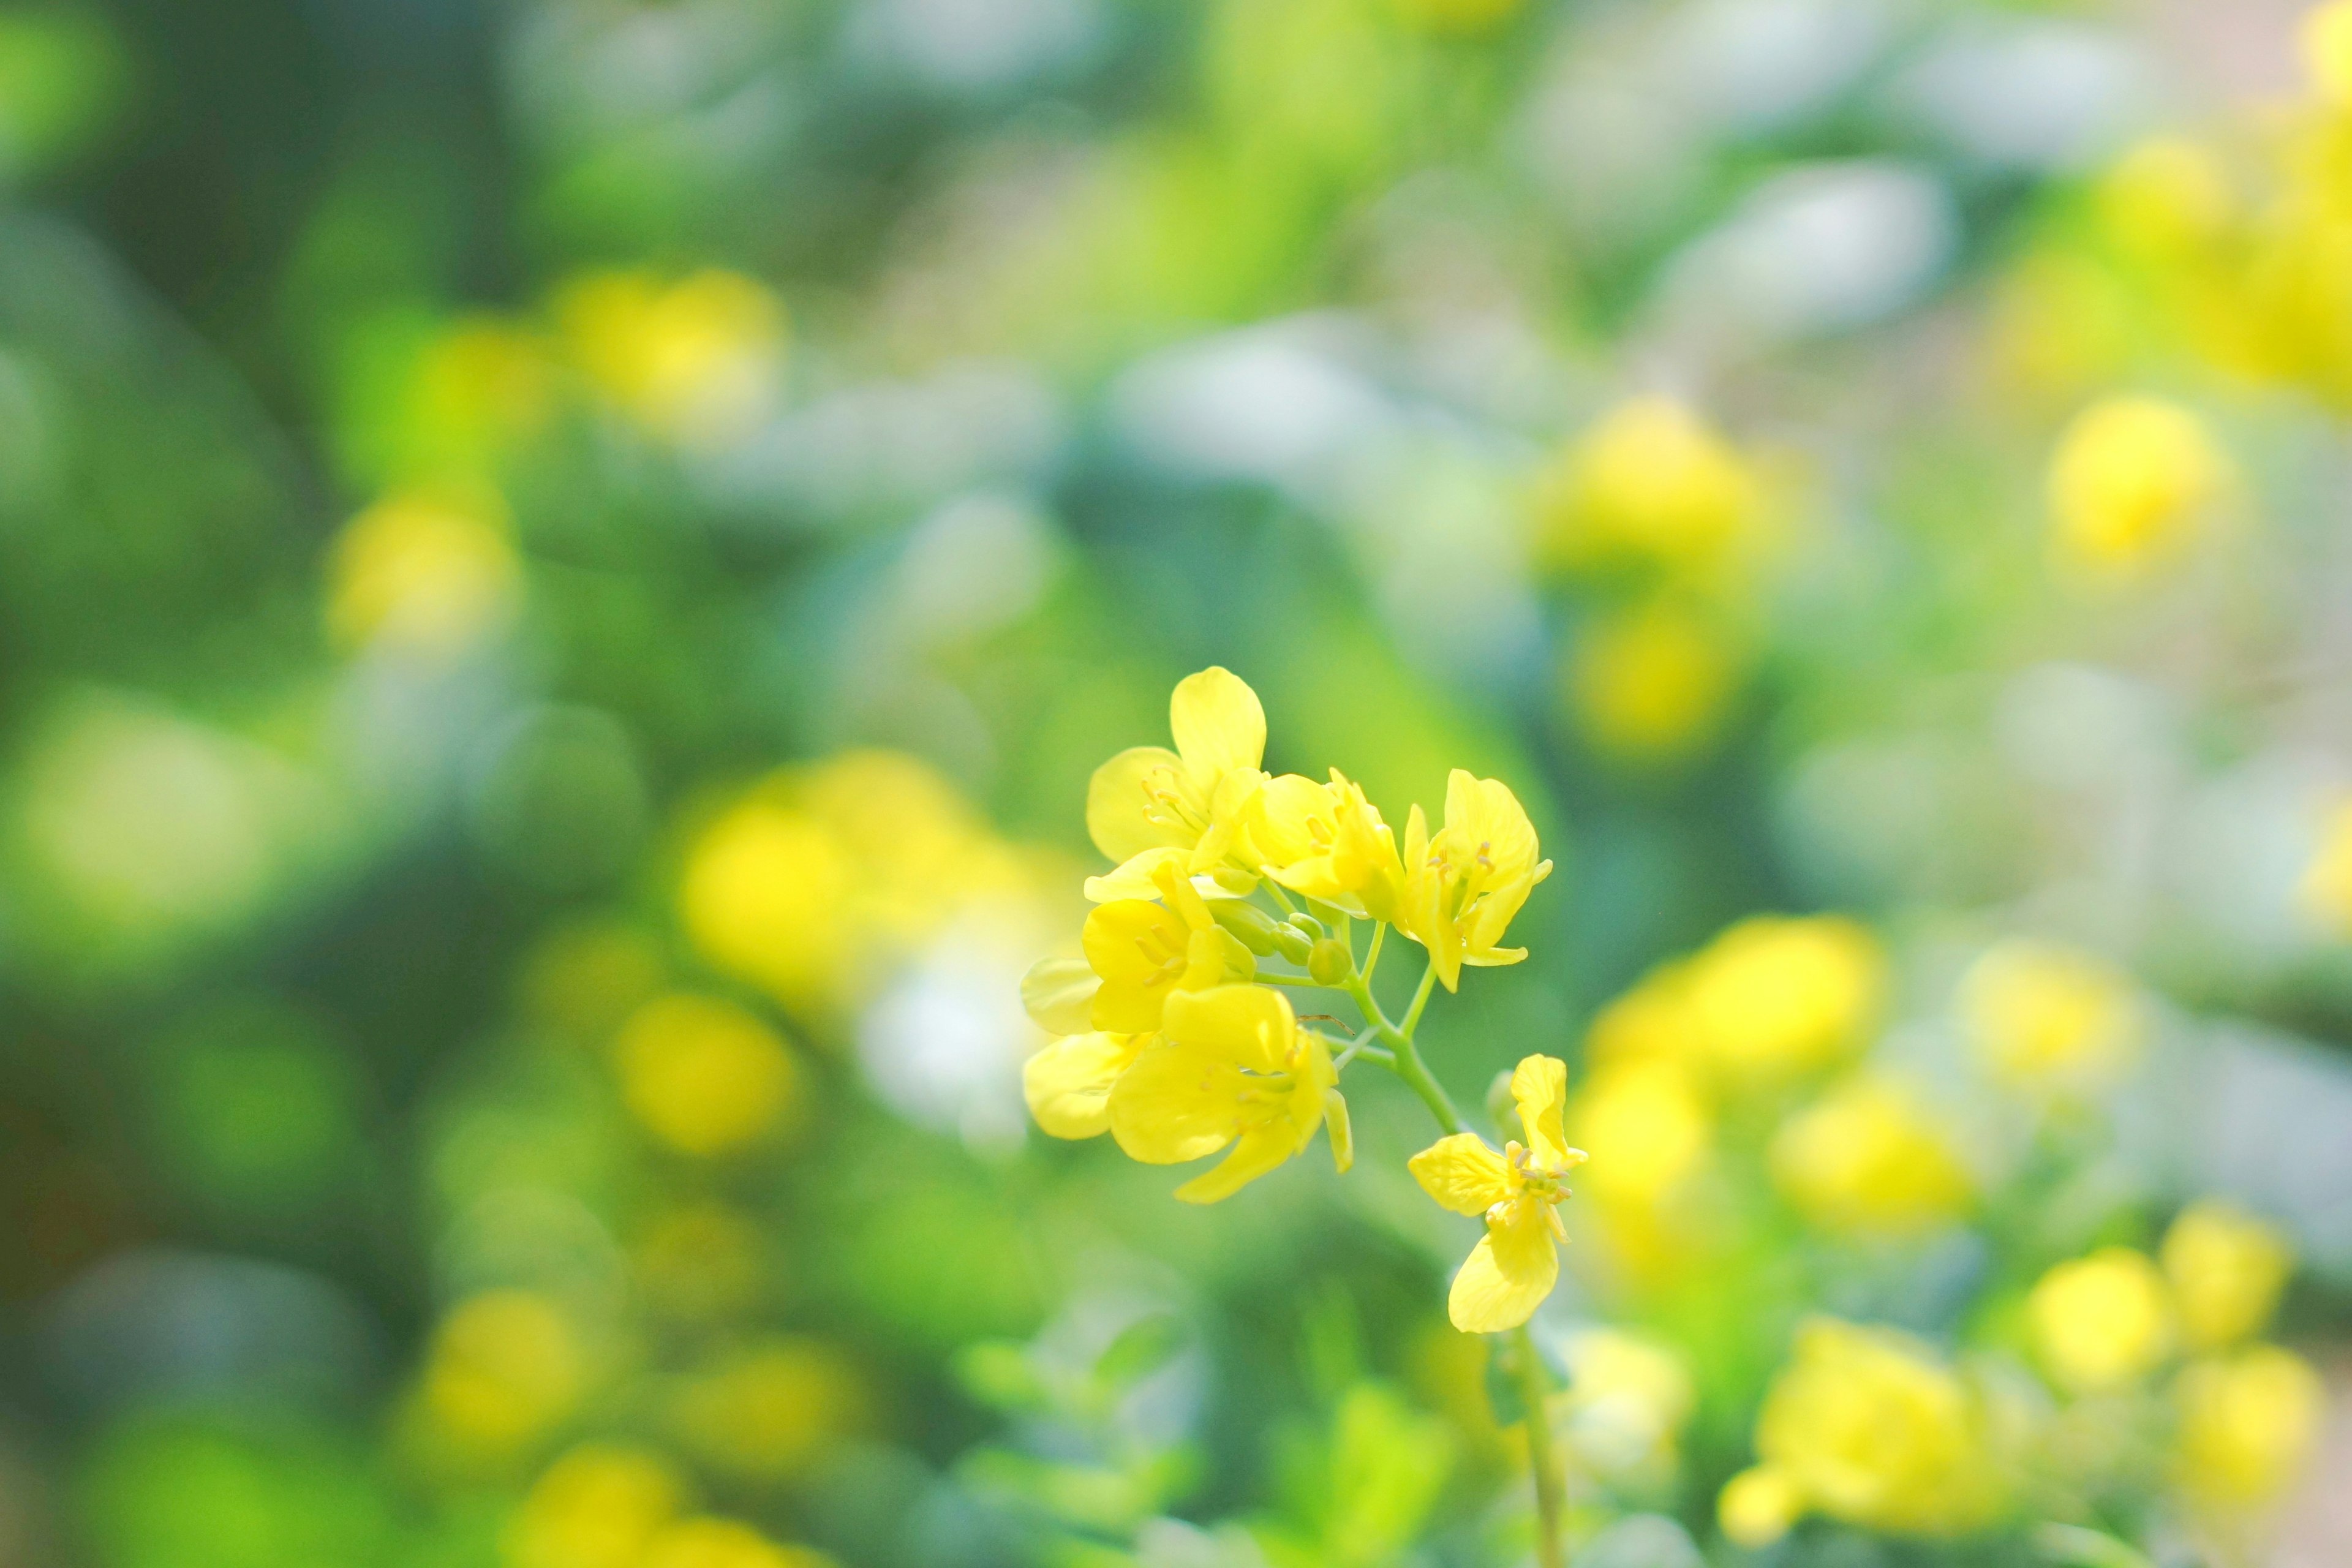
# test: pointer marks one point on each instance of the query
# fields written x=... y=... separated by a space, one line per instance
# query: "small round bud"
x=1330 y=963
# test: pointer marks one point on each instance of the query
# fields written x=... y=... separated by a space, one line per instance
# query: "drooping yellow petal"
x=1461 y=1173
x=1068 y=1083
x=1127 y=808
x=1218 y=724
x=1129 y=939
x=1508 y=1274
x=1540 y=1088
x=1138 y=877
x=1059 y=994
x=1258 y=1151
x=1250 y=1027
x=1337 y=1128
x=1173 y=1104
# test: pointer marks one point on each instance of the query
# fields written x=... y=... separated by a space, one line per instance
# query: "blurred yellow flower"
x=429 y=573
x=1627 y=1400
x=694 y=361
x=504 y=1366
x=1866 y=1425
x=1145 y=952
x=706 y=1542
x=1068 y=1083
x=1229 y=1067
x=1652 y=1021
x=1463 y=885
x=1517 y=1192
x=1652 y=680
x=704 y=1076
x=1866 y=1159
x=1759 y=1506
x=2327 y=43
x=1652 y=480
x=766 y=1411
x=1647 y=1123
x=597 y=1507
x=2131 y=482
x=1149 y=806
x=2102 y=1322
x=2249 y=1422
x=2226 y=1269
x=1328 y=842
x=1775 y=997
x=2050 y=1016
x=2166 y=197
x=2326 y=888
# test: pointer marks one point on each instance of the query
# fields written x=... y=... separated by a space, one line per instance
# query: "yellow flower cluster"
x=2050 y=1019
x=609 y=1506
x=1174 y=1033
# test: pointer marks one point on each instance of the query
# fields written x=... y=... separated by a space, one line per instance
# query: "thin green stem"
x=1373 y=953
x=1267 y=977
x=1420 y=999
x=1550 y=1489
x=1274 y=888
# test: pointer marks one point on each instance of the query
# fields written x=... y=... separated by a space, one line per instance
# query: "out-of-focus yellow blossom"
x=504 y=1367
x=2326 y=888
x=1517 y=1192
x=1149 y=807
x=1328 y=842
x=2131 y=483
x=1458 y=17
x=2249 y=1422
x=479 y=387
x=429 y=573
x=2226 y=1269
x=599 y=1506
x=1628 y=1398
x=2166 y=198
x=765 y=1412
x=1230 y=1066
x=2326 y=44
x=1463 y=885
x=1866 y=1159
x=704 y=1076
x=2101 y=1322
x=2049 y=1016
x=1652 y=680
x=1067 y=1084
x=693 y=361
x=706 y=1542
x=1649 y=1125
x=699 y=1261
x=1653 y=480
x=1774 y=998
x=1867 y=1427
x=1145 y=952
x=1652 y=1021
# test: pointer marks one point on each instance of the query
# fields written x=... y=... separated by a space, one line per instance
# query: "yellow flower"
x=724 y=1543
x=2046 y=1015
x=2249 y=1421
x=1866 y=1425
x=1231 y=1067
x=1463 y=885
x=1328 y=842
x=1516 y=1263
x=1149 y=806
x=2226 y=1269
x=704 y=1076
x=693 y=361
x=505 y=1366
x=772 y=1409
x=1649 y=1125
x=2102 y=1322
x=1865 y=1157
x=1652 y=1021
x=1145 y=952
x=1068 y=1083
x=2167 y=197
x=1774 y=998
x=596 y=1507
x=1757 y=1506
x=425 y=573
x=1653 y=681
x=2328 y=883
x=1652 y=480
x=2132 y=481
x=1628 y=1398
x=2326 y=40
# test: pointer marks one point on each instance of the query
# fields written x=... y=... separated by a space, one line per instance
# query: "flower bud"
x=1293 y=944
x=1502 y=1111
x=1316 y=930
x=1251 y=925
x=1330 y=963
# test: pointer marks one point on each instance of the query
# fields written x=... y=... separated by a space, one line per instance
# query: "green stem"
x=1407 y=1064
x=1309 y=982
x=1420 y=999
x=1550 y=1499
x=1274 y=888
x=1373 y=953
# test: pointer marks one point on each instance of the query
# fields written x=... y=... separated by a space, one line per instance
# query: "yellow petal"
x=1173 y=1105
x=1540 y=1088
x=1510 y=1273
x=1129 y=939
x=1342 y=1134
x=1218 y=724
x=1258 y=1151
x=1461 y=1173
x=1135 y=877
x=1119 y=817
x=1058 y=993
x=1283 y=817
x=1068 y=1083
x=1247 y=1026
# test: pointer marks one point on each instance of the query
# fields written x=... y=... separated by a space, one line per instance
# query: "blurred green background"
x=564 y=565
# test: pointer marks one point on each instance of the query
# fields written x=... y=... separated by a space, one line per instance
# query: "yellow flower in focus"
x=1759 y=1506
x=2101 y=1323
x=2249 y=1422
x=2131 y=482
x=1463 y=885
x=424 y=572
x=1231 y=1067
x=704 y=1076
x=767 y=1411
x=1145 y=952
x=1517 y=1192
x=724 y=1543
x=2166 y=197
x=1149 y=807
x=1328 y=842
x=505 y=1366
x=1652 y=480
x=2226 y=1269
x=597 y=1507
x=1068 y=1083
x=1653 y=681
x=693 y=362
x=2326 y=888
x=1865 y=1157
x=2326 y=41
x=1775 y=998
x=1866 y=1425
x=1648 y=1123
x=2045 y=1015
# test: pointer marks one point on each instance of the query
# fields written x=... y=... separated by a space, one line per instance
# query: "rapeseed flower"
x=2047 y=1017
x=1149 y=806
x=2132 y=481
x=1464 y=884
x=1653 y=681
x=504 y=1366
x=2226 y=1269
x=2248 y=1421
x=2102 y=1322
x=1652 y=480
x=704 y=1076
x=1517 y=1262
x=1143 y=952
x=1327 y=842
x=1773 y=997
x=1866 y=1159
x=693 y=361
